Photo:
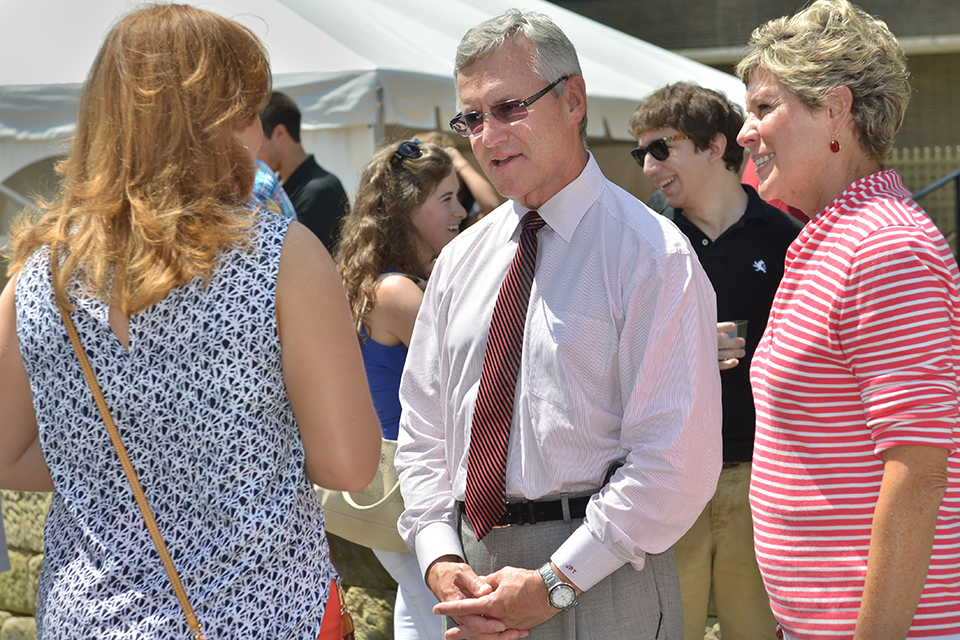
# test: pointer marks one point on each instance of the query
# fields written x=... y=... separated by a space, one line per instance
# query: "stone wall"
x=23 y=517
x=370 y=590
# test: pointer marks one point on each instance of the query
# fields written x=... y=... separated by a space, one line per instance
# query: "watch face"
x=562 y=596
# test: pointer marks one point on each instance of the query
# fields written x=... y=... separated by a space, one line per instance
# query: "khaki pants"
x=719 y=548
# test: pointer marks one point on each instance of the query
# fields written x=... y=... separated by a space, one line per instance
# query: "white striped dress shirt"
x=619 y=363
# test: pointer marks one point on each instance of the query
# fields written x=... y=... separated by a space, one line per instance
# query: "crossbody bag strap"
x=195 y=629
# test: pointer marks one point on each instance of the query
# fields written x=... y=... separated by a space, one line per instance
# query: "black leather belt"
x=534 y=511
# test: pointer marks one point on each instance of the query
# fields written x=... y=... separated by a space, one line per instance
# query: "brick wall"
x=688 y=24
x=702 y=24
x=921 y=167
x=931 y=118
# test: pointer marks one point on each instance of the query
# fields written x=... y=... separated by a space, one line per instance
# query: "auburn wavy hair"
x=378 y=233
x=155 y=184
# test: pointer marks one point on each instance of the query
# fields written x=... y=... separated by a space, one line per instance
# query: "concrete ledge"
x=24 y=515
x=372 y=612
x=14 y=585
x=19 y=629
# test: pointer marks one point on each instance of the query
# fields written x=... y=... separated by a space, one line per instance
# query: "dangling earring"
x=834 y=145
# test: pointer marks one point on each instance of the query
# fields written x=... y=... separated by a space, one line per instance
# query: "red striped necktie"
x=493 y=413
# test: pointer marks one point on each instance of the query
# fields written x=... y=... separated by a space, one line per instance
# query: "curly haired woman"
x=406 y=211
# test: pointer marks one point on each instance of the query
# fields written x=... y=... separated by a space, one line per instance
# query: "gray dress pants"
x=626 y=605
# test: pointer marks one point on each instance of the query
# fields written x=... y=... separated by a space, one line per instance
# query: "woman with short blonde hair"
x=855 y=490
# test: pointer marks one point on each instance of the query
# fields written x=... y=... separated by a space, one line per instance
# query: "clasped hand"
x=500 y=606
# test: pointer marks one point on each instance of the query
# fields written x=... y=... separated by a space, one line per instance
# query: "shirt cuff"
x=435 y=541
x=584 y=559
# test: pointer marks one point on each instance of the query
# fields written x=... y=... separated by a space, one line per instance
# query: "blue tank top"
x=384 y=365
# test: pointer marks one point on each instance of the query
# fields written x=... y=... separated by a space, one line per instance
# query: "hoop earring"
x=834 y=145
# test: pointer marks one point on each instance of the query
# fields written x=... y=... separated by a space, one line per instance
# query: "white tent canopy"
x=353 y=67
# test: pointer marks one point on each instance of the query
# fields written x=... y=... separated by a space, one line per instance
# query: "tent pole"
x=16 y=197
x=379 y=133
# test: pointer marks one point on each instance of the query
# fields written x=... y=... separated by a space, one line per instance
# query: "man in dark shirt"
x=688 y=147
x=317 y=195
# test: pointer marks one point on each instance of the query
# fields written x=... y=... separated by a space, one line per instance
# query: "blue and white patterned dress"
x=201 y=406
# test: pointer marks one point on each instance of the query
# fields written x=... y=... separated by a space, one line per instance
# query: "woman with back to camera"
x=855 y=489
x=406 y=210
x=221 y=340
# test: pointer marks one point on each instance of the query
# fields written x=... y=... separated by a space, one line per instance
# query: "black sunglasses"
x=471 y=123
x=408 y=150
x=658 y=149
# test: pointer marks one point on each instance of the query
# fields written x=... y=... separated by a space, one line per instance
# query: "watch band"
x=560 y=594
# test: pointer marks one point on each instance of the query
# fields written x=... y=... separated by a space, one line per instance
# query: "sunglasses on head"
x=471 y=123
x=658 y=149
x=408 y=150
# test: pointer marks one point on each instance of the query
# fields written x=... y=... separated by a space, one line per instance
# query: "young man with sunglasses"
x=688 y=148
x=549 y=501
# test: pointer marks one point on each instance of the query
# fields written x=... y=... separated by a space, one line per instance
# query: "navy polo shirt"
x=745 y=265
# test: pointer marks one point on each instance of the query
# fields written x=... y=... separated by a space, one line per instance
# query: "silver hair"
x=554 y=55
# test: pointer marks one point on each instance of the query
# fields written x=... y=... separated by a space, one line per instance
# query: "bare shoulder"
x=397 y=302
x=397 y=290
x=8 y=298
x=308 y=285
x=301 y=246
x=304 y=262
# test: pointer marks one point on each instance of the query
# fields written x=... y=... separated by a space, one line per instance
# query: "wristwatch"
x=560 y=595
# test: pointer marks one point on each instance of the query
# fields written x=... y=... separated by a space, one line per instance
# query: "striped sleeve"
x=895 y=326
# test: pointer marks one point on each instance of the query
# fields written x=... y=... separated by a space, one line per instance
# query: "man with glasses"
x=561 y=402
x=688 y=148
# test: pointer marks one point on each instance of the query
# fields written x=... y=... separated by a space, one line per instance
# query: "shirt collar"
x=564 y=210
x=755 y=211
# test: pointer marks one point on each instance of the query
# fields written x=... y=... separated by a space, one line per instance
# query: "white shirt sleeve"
x=429 y=522
x=671 y=427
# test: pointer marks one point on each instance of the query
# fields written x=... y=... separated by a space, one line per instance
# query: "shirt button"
x=705 y=242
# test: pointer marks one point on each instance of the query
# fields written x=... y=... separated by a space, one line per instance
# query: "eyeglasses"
x=658 y=149
x=408 y=150
x=471 y=123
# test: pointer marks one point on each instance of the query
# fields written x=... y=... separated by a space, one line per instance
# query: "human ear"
x=575 y=95
x=838 y=106
x=280 y=130
x=718 y=146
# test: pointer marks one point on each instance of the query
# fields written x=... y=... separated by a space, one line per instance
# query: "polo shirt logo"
x=760 y=266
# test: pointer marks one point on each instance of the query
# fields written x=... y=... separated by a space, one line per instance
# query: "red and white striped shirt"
x=860 y=354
